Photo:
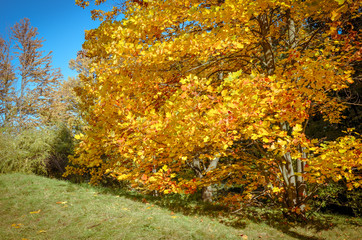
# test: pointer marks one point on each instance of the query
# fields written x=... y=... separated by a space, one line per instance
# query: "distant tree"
x=35 y=76
x=35 y=106
x=81 y=64
x=63 y=108
x=7 y=79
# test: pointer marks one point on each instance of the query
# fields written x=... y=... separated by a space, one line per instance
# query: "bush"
x=38 y=150
x=23 y=152
x=336 y=198
x=60 y=148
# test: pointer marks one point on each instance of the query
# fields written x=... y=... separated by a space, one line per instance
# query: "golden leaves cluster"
x=176 y=81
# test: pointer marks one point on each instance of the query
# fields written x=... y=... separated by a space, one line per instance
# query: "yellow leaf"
x=340 y=2
x=16 y=225
x=276 y=189
x=78 y=136
x=35 y=212
x=174 y=216
x=61 y=202
x=342 y=150
x=206 y=139
x=152 y=179
x=165 y=168
x=42 y=231
x=298 y=128
x=122 y=177
x=239 y=45
x=335 y=15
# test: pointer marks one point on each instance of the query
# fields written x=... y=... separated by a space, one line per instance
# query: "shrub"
x=37 y=150
x=61 y=146
x=335 y=197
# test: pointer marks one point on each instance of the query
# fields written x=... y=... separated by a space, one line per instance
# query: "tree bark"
x=266 y=44
x=207 y=191
x=301 y=186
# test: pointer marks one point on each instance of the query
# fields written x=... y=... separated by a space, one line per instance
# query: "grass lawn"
x=33 y=207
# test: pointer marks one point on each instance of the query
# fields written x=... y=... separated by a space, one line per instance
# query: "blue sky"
x=60 y=23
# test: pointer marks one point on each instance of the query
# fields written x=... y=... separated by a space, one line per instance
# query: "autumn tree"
x=184 y=95
x=7 y=79
x=35 y=76
x=36 y=108
x=72 y=86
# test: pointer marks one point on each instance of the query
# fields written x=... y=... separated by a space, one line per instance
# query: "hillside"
x=33 y=207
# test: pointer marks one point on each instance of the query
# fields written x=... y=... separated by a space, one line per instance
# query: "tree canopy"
x=187 y=95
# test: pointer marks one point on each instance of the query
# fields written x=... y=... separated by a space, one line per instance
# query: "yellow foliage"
x=176 y=83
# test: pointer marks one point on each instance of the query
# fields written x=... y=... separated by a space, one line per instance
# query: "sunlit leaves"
x=186 y=94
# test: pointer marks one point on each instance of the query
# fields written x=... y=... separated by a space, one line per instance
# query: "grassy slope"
x=70 y=211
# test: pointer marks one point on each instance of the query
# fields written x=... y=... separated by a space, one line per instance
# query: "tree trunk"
x=289 y=176
x=269 y=62
x=154 y=170
x=291 y=194
x=207 y=194
x=207 y=191
x=301 y=186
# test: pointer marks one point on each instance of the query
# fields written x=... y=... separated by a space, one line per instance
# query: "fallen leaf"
x=42 y=231
x=16 y=225
x=35 y=212
x=61 y=202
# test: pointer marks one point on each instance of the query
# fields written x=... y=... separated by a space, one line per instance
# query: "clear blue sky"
x=60 y=23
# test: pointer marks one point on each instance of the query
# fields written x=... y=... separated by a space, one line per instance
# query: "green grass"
x=33 y=207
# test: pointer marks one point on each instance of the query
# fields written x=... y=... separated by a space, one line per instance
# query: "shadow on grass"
x=190 y=205
x=287 y=224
